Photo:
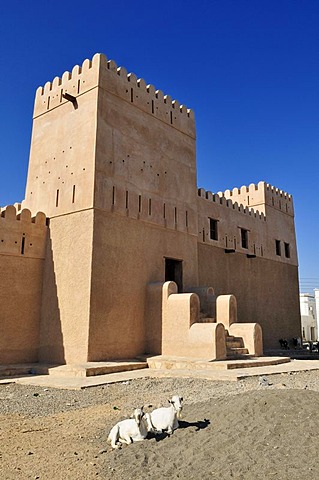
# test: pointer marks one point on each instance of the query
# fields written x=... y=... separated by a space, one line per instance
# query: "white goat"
x=166 y=418
x=133 y=429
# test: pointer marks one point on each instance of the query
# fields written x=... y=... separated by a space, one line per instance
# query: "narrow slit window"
x=132 y=98
x=79 y=83
x=213 y=229
x=164 y=211
x=287 y=250
x=152 y=106
x=139 y=203
x=150 y=206
x=113 y=196
x=175 y=214
x=278 y=248
x=48 y=106
x=244 y=237
x=126 y=199
x=22 y=245
x=186 y=218
x=57 y=198
x=171 y=118
x=73 y=194
x=203 y=234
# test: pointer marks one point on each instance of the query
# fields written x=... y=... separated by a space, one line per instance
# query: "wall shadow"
x=51 y=348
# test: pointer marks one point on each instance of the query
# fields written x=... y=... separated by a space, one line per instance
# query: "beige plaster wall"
x=145 y=165
x=20 y=305
x=263 y=229
x=129 y=254
x=66 y=289
x=22 y=246
x=61 y=166
x=266 y=290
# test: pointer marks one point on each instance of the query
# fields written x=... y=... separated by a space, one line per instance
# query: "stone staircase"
x=235 y=348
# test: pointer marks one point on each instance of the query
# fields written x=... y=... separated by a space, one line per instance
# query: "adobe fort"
x=115 y=252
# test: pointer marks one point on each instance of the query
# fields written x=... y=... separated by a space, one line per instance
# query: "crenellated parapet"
x=75 y=83
x=22 y=234
x=256 y=196
x=116 y=80
x=222 y=199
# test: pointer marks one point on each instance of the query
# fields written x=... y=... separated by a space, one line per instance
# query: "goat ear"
x=182 y=399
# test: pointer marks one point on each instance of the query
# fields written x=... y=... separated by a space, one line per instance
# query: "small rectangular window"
x=244 y=237
x=287 y=250
x=278 y=248
x=213 y=228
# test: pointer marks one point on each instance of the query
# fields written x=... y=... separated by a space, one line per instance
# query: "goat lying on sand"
x=131 y=430
x=166 y=418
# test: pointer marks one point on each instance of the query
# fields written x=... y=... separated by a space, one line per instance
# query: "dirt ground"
x=252 y=429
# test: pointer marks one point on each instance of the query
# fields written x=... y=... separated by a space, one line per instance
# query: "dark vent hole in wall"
x=139 y=203
x=113 y=196
x=73 y=194
x=57 y=198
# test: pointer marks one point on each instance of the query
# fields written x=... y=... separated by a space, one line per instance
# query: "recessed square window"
x=287 y=250
x=213 y=228
x=244 y=237
x=278 y=248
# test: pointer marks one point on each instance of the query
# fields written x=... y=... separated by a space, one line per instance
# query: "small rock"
x=104 y=450
x=264 y=381
x=30 y=453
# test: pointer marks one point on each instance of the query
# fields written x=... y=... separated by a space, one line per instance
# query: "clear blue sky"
x=248 y=68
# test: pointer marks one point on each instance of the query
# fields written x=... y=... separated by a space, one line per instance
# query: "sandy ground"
x=237 y=430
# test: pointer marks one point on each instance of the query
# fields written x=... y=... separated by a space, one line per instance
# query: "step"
x=234 y=344
x=17 y=370
x=161 y=362
x=87 y=369
x=90 y=369
x=237 y=351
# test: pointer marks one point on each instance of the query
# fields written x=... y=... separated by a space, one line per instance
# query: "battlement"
x=74 y=83
x=256 y=196
x=21 y=233
x=105 y=73
x=220 y=198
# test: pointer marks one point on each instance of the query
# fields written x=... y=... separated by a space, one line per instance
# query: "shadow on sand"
x=199 y=425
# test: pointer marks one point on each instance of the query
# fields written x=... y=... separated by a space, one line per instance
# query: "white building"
x=309 y=309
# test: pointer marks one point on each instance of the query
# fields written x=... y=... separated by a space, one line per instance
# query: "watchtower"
x=112 y=164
